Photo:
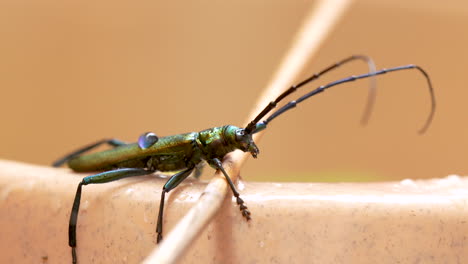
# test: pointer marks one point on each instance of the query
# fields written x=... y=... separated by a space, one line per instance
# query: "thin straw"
x=318 y=23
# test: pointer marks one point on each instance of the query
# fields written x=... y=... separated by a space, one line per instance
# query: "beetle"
x=183 y=152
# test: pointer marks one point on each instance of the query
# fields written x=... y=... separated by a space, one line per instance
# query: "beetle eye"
x=240 y=135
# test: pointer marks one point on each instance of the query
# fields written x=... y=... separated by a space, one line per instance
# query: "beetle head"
x=245 y=142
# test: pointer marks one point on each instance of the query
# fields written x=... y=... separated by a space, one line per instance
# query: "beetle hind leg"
x=103 y=177
x=112 y=142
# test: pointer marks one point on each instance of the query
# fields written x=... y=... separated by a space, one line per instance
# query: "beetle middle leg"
x=242 y=207
x=175 y=180
x=103 y=177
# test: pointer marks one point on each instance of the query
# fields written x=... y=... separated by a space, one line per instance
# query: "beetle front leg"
x=242 y=207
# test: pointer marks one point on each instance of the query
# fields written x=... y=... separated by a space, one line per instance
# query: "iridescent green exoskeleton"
x=184 y=152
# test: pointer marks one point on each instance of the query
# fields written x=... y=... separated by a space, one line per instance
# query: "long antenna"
x=370 y=101
x=293 y=104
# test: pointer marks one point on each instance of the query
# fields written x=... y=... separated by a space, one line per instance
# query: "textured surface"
x=424 y=221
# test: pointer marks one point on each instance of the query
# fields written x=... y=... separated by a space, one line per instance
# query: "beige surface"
x=73 y=73
x=421 y=221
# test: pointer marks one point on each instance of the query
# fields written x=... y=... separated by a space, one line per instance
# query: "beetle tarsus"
x=243 y=208
x=74 y=255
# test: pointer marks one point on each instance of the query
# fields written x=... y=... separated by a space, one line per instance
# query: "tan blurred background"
x=75 y=72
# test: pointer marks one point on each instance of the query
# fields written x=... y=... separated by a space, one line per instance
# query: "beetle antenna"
x=370 y=101
x=293 y=104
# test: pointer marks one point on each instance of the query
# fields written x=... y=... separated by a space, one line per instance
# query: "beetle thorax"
x=219 y=141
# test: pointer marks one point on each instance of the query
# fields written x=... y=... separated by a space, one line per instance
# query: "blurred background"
x=75 y=72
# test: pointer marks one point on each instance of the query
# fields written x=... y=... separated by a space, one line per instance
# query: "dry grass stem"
x=318 y=23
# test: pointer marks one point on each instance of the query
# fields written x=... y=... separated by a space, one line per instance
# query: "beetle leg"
x=103 y=177
x=112 y=142
x=175 y=180
x=197 y=172
x=242 y=207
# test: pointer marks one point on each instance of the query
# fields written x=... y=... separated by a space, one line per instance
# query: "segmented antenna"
x=293 y=104
x=370 y=101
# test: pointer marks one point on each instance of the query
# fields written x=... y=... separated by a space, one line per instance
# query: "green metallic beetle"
x=184 y=152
